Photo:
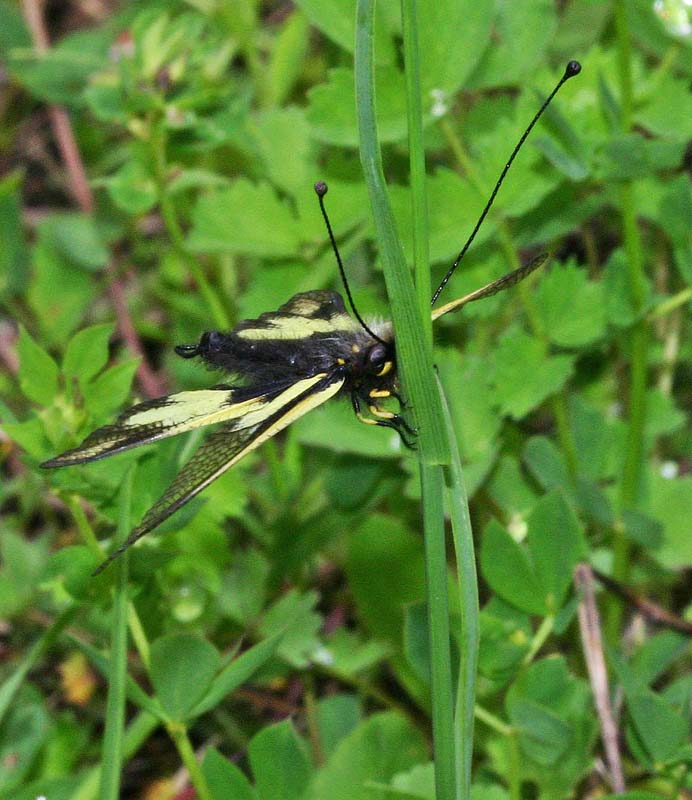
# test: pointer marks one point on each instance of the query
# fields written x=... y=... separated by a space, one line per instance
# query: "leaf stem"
x=114 y=724
x=631 y=477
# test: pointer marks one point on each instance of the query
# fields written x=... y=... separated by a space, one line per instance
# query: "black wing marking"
x=163 y=417
x=229 y=444
x=305 y=314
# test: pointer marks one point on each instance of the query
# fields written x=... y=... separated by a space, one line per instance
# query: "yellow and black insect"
x=282 y=365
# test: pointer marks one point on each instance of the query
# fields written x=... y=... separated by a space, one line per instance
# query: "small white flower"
x=323 y=656
x=440 y=104
x=669 y=470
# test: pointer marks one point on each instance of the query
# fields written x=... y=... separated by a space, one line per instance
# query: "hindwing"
x=233 y=440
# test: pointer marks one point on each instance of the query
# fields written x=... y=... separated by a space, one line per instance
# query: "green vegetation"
x=271 y=640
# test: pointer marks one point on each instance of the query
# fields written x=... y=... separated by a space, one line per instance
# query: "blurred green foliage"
x=202 y=126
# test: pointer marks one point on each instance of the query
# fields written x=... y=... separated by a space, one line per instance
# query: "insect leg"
x=395 y=422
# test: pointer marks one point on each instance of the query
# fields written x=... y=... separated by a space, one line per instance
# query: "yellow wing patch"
x=179 y=413
x=229 y=444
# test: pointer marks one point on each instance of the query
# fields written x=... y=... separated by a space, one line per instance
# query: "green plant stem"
x=416 y=148
x=630 y=481
x=113 y=736
x=670 y=304
x=489 y=719
x=414 y=355
x=444 y=737
x=85 y=529
x=539 y=638
x=139 y=637
x=414 y=362
x=137 y=732
x=178 y=733
x=462 y=535
x=170 y=220
x=10 y=687
x=514 y=776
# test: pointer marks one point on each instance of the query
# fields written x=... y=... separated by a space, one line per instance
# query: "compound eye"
x=379 y=361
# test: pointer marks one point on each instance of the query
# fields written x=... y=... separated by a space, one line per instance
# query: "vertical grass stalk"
x=631 y=478
x=112 y=753
x=412 y=324
x=462 y=535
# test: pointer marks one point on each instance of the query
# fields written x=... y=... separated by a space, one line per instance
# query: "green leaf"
x=182 y=669
x=293 y=616
x=386 y=573
x=87 y=352
x=244 y=586
x=521 y=34
x=556 y=542
x=417 y=783
x=22 y=564
x=337 y=716
x=546 y=463
x=106 y=393
x=571 y=307
x=246 y=218
x=287 y=58
x=332 y=107
x=379 y=748
x=656 y=655
x=675 y=212
x=506 y=567
x=279 y=762
x=30 y=435
x=24 y=732
x=38 y=372
x=661 y=729
x=667 y=111
x=505 y=639
x=633 y=796
x=236 y=673
x=14 y=257
x=416 y=640
x=58 y=293
x=525 y=375
x=543 y=736
x=224 y=779
x=471 y=401
x=76 y=238
x=631 y=156
x=670 y=505
x=546 y=705
x=60 y=74
x=282 y=138
x=337 y=20
x=452 y=36
x=620 y=308
x=132 y=188
x=510 y=489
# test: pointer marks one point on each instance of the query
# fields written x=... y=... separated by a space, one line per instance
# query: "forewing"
x=229 y=444
x=304 y=315
x=163 y=417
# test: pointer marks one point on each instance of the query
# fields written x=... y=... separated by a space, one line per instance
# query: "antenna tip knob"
x=573 y=68
x=321 y=188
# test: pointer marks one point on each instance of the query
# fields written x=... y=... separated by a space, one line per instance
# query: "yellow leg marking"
x=381 y=413
x=366 y=420
x=380 y=393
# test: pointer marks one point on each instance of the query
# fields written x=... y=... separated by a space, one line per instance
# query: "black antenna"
x=321 y=189
x=572 y=69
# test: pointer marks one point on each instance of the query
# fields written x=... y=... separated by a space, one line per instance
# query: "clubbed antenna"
x=573 y=68
x=321 y=189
